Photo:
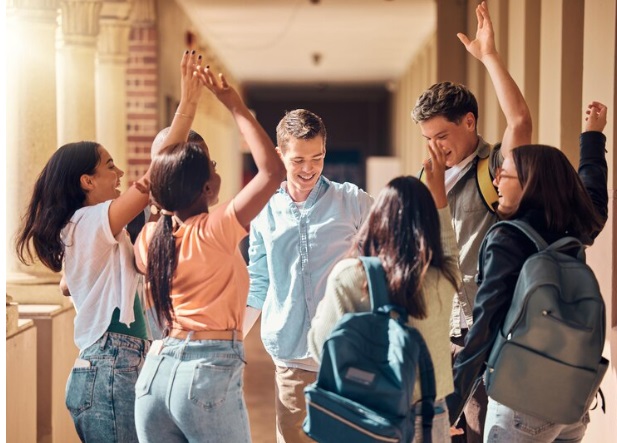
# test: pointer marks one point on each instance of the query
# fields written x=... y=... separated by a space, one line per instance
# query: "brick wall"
x=141 y=98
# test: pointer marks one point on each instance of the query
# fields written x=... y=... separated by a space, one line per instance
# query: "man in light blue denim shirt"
x=303 y=231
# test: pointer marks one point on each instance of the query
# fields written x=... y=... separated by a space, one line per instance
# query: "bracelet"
x=184 y=115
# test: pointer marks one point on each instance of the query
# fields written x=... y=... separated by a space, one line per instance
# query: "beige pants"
x=290 y=404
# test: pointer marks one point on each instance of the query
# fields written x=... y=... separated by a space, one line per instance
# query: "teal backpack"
x=547 y=359
x=366 y=380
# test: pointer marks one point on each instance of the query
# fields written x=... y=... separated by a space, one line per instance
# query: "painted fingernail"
x=192 y=52
x=207 y=66
x=199 y=58
x=186 y=52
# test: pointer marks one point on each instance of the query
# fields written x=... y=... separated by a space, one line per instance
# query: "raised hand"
x=484 y=43
x=596 y=117
x=191 y=78
x=434 y=171
x=222 y=90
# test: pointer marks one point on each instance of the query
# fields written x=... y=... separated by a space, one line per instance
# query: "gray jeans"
x=100 y=392
x=509 y=426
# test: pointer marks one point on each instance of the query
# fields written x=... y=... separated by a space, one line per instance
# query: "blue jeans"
x=100 y=392
x=507 y=425
x=191 y=391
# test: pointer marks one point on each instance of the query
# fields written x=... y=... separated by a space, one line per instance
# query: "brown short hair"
x=450 y=100
x=299 y=124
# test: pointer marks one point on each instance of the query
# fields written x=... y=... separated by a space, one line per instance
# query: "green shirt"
x=136 y=329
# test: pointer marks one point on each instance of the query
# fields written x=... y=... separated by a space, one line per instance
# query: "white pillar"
x=112 y=57
x=76 y=56
x=31 y=117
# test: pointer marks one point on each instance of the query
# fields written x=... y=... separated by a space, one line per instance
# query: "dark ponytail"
x=177 y=178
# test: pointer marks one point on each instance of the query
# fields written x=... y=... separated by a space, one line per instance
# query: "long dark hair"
x=403 y=230
x=550 y=184
x=57 y=195
x=177 y=178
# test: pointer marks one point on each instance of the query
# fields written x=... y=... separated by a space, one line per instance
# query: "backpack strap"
x=526 y=229
x=427 y=387
x=484 y=182
x=563 y=244
x=523 y=227
x=376 y=278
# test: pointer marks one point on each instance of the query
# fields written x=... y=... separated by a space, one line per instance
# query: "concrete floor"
x=259 y=388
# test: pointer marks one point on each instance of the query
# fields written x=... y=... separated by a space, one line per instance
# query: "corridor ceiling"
x=313 y=41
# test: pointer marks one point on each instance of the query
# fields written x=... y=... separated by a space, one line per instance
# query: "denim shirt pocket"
x=147 y=374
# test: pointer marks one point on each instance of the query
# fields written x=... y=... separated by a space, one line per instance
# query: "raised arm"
x=124 y=208
x=270 y=170
x=592 y=167
x=518 y=118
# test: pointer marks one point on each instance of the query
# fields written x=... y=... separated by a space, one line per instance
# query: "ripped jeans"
x=100 y=392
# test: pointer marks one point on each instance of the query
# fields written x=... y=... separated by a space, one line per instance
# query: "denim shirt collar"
x=318 y=190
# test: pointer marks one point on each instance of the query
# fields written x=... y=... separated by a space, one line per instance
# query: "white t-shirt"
x=99 y=271
x=454 y=174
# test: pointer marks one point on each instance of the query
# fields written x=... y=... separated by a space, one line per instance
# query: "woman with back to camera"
x=537 y=184
x=409 y=228
x=191 y=386
x=76 y=221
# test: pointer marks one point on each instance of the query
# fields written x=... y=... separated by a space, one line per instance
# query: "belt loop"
x=236 y=347
x=187 y=340
x=104 y=340
x=188 y=337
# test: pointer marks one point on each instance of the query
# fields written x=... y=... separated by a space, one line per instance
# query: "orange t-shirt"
x=210 y=285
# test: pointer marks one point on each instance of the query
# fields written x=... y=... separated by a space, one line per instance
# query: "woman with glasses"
x=536 y=184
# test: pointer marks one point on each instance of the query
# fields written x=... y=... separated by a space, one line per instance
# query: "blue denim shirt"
x=291 y=255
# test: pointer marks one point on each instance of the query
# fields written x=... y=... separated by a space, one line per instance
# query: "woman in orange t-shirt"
x=191 y=385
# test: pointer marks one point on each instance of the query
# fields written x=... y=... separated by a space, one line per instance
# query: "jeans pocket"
x=80 y=390
x=210 y=384
x=147 y=374
x=531 y=425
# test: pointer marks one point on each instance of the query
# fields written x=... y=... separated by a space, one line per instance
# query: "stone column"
x=76 y=58
x=112 y=57
x=31 y=117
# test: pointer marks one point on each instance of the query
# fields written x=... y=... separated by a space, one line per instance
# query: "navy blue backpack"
x=368 y=371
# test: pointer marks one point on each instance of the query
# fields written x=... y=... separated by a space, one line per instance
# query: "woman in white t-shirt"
x=76 y=222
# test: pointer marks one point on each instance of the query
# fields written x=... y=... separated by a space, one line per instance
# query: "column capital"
x=143 y=13
x=80 y=21
x=113 y=41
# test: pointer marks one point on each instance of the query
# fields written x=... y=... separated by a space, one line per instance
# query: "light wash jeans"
x=509 y=426
x=440 y=433
x=192 y=392
x=100 y=392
